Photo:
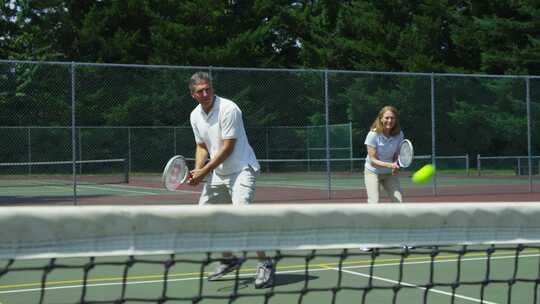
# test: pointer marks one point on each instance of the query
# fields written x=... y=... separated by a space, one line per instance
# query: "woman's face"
x=388 y=121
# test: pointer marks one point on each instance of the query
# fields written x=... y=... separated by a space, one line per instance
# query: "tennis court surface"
x=419 y=253
x=108 y=181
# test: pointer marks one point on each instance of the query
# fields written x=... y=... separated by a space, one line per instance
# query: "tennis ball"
x=424 y=174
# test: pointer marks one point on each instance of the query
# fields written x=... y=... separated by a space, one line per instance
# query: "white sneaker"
x=225 y=266
x=264 y=277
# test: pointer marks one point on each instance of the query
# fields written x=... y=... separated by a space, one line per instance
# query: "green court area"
x=286 y=187
x=353 y=276
x=39 y=189
x=356 y=180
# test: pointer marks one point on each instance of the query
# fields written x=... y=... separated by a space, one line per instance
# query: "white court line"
x=444 y=261
x=415 y=286
x=117 y=190
x=157 y=189
x=98 y=285
x=95 y=187
x=344 y=269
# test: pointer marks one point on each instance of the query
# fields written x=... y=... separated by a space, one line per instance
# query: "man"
x=232 y=169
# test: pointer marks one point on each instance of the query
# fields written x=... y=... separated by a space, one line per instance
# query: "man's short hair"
x=199 y=77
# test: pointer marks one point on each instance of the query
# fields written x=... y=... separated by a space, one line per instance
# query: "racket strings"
x=405 y=154
x=176 y=173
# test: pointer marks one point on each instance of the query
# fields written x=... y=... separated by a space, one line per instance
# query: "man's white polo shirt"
x=224 y=122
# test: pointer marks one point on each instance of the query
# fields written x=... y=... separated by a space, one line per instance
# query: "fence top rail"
x=506 y=156
x=166 y=127
x=210 y=68
x=270 y=160
x=95 y=127
x=65 y=162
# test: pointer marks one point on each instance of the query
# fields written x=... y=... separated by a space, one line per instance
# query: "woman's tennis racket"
x=406 y=154
x=176 y=173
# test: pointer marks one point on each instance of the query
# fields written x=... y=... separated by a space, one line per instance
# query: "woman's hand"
x=395 y=168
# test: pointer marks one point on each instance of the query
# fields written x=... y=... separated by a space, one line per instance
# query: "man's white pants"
x=237 y=188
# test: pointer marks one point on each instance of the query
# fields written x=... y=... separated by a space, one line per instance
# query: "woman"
x=381 y=168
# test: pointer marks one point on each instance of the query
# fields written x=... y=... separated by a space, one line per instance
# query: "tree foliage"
x=496 y=37
x=386 y=35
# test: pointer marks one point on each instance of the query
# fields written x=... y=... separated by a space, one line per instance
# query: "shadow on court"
x=287 y=278
x=280 y=280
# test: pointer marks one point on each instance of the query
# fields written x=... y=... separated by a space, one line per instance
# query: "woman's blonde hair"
x=377 y=125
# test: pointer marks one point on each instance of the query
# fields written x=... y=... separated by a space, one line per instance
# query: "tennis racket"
x=176 y=173
x=406 y=153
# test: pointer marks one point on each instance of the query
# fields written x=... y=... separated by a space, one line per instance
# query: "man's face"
x=204 y=94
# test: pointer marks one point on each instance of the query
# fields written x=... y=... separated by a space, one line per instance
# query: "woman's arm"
x=374 y=159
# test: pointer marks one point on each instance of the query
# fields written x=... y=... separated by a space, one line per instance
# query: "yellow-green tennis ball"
x=423 y=175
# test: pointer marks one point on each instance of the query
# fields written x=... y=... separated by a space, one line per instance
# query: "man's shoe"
x=264 y=277
x=225 y=266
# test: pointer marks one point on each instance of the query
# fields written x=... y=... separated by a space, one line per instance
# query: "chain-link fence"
x=297 y=121
x=145 y=149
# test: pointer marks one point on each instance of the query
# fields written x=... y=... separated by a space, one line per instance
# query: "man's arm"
x=201 y=155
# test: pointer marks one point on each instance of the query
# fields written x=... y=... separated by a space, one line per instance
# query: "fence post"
x=267 y=148
x=308 y=148
x=529 y=132
x=174 y=140
x=73 y=135
x=327 y=114
x=478 y=164
x=29 y=151
x=433 y=139
x=351 y=145
x=79 y=136
x=467 y=164
x=129 y=149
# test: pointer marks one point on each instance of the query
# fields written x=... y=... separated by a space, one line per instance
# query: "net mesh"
x=412 y=253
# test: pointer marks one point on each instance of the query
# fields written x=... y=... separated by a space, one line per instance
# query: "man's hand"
x=197 y=175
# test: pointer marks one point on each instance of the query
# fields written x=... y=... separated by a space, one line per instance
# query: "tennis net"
x=103 y=171
x=418 y=253
x=458 y=163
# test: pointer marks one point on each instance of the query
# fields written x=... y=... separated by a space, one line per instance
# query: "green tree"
x=497 y=37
